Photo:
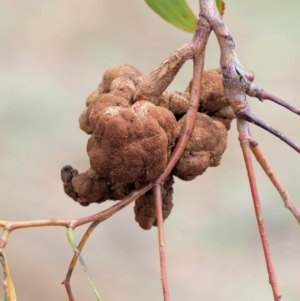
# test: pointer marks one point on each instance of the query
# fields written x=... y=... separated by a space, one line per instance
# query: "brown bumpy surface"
x=91 y=97
x=204 y=149
x=124 y=86
x=212 y=91
x=145 y=210
x=178 y=103
x=131 y=144
x=84 y=188
x=88 y=187
x=224 y=115
x=212 y=96
x=213 y=101
x=122 y=70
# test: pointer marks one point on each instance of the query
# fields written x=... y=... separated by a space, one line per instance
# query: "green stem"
x=70 y=236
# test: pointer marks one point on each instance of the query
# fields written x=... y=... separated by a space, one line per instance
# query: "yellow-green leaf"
x=176 y=12
x=71 y=239
x=9 y=290
x=220 y=6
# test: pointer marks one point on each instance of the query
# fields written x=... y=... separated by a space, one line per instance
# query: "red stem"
x=198 y=44
x=161 y=242
x=259 y=216
x=288 y=202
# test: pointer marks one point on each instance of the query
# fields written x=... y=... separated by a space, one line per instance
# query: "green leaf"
x=220 y=6
x=176 y=12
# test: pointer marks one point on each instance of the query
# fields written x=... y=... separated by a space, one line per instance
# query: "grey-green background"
x=52 y=55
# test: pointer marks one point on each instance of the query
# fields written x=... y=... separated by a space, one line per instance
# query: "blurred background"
x=52 y=55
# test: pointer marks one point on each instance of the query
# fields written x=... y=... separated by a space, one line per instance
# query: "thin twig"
x=253 y=90
x=287 y=200
x=247 y=115
x=245 y=145
x=161 y=242
x=101 y=216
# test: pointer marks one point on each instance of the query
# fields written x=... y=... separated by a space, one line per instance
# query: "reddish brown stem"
x=246 y=114
x=259 y=216
x=161 y=242
x=101 y=216
x=69 y=291
x=288 y=202
x=198 y=45
x=253 y=90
